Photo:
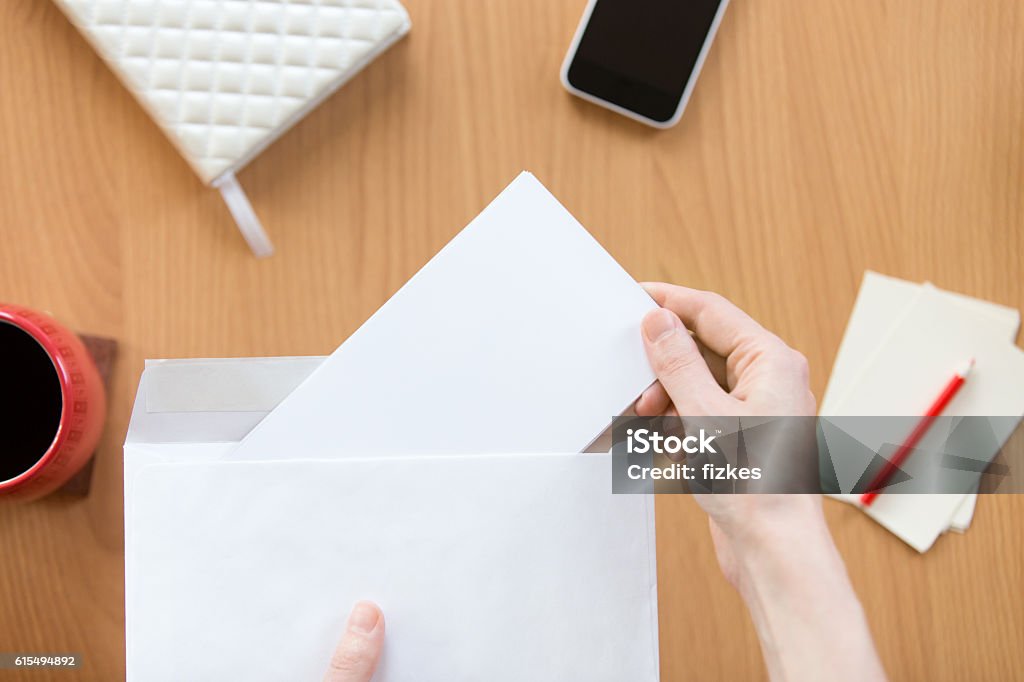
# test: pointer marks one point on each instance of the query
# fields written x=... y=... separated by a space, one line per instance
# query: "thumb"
x=680 y=367
x=358 y=652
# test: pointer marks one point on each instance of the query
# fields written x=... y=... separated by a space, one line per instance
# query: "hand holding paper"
x=488 y=565
x=767 y=545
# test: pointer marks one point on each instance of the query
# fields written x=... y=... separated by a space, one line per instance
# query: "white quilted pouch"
x=224 y=78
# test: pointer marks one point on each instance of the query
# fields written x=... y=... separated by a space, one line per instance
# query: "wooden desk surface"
x=824 y=138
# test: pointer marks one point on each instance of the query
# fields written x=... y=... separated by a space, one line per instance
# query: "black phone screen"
x=640 y=54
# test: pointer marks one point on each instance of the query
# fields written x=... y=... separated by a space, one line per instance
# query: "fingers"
x=716 y=363
x=680 y=367
x=359 y=650
x=760 y=369
x=653 y=402
x=719 y=324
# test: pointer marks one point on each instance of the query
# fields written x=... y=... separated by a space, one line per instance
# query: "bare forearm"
x=776 y=549
x=808 y=618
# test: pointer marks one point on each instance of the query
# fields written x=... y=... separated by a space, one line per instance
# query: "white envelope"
x=497 y=567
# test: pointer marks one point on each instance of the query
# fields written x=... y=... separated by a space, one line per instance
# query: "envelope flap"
x=211 y=400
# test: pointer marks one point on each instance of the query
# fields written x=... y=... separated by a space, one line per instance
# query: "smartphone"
x=641 y=58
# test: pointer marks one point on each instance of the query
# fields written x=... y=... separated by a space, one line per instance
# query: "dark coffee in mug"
x=30 y=401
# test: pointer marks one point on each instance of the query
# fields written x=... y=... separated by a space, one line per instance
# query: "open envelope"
x=488 y=567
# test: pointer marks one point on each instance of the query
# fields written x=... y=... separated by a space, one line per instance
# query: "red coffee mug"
x=54 y=421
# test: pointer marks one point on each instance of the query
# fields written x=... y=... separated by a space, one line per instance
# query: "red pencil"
x=922 y=427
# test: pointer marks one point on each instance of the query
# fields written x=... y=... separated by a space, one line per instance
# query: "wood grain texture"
x=824 y=138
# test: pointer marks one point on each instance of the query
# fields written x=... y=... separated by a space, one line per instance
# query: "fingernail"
x=659 y=324
x=363 y=618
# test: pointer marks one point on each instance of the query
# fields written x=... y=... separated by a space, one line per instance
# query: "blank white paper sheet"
x=521 y=331
x=487 y=567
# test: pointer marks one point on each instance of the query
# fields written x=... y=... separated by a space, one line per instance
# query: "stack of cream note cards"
x=902 y=344
x=430 y=464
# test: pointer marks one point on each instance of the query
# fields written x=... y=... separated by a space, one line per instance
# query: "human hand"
x=775 y=549
x=730 y=366
x=356 y=657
